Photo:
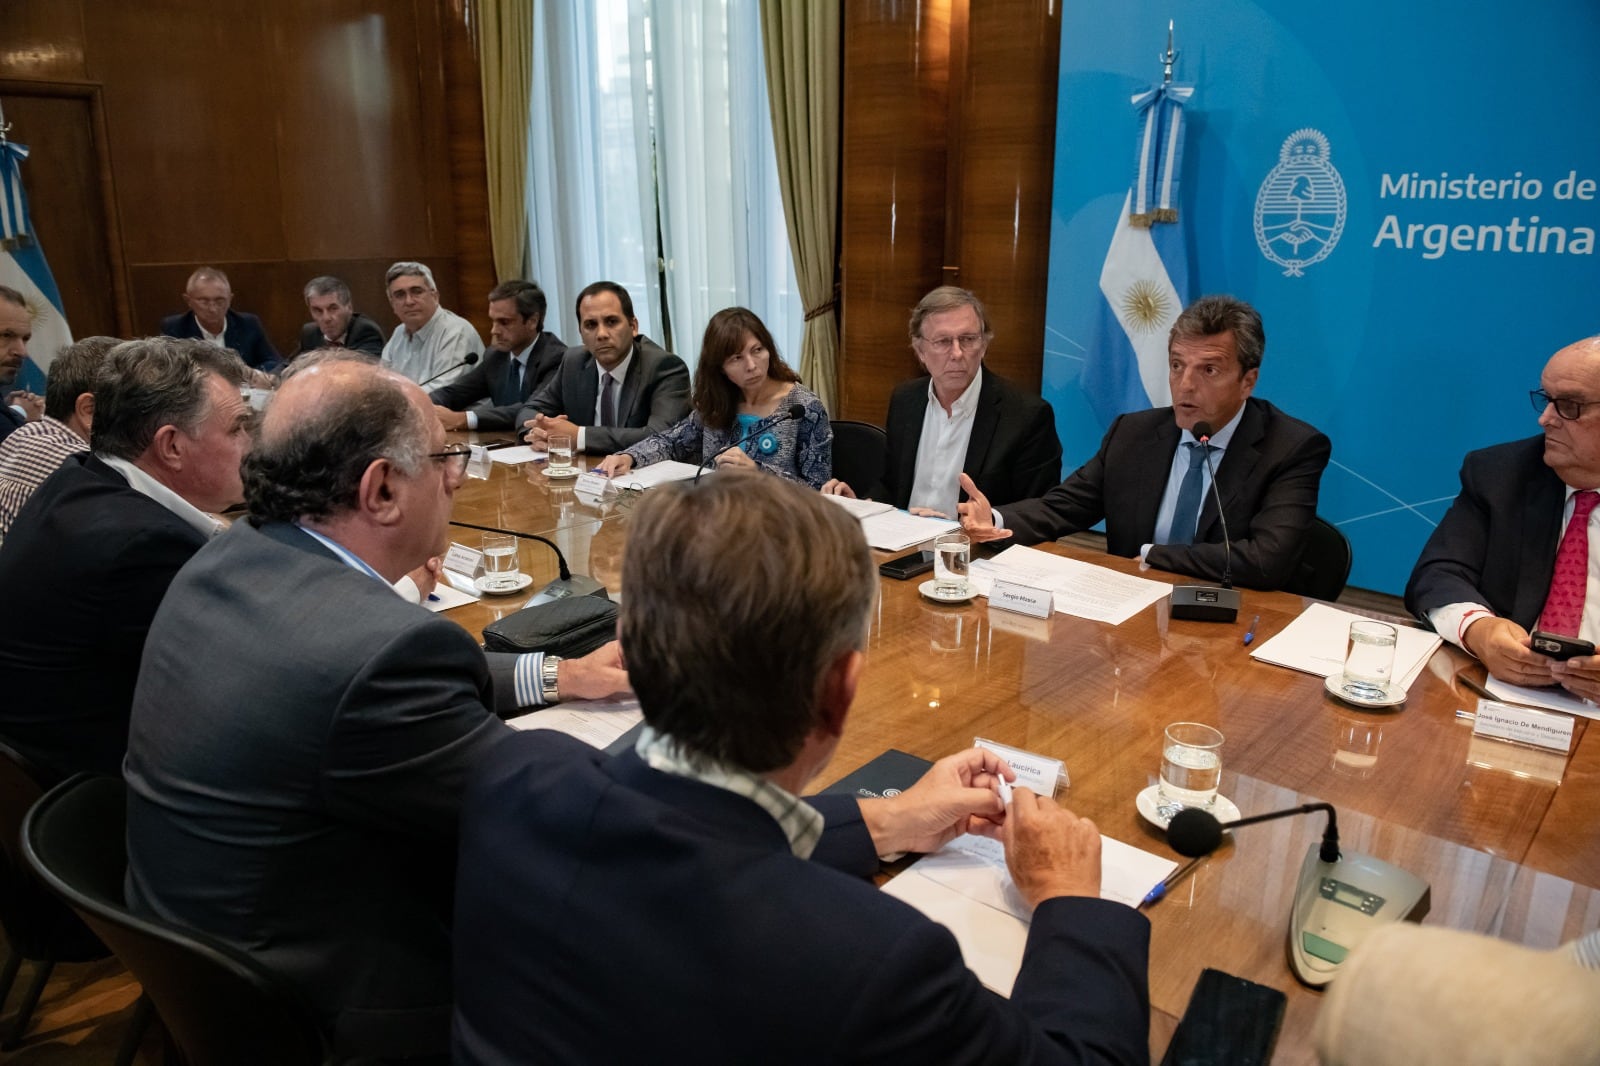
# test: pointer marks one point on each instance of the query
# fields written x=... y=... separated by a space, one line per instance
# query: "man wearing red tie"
x=1519 y=549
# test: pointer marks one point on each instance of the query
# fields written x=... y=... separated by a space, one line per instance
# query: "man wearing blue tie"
x=522 y=357
x=1150 y=482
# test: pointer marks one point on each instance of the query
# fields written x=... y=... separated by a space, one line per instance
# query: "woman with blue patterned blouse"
x=740 y=385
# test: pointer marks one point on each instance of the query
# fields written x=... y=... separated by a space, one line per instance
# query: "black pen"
x=1159 y=893
x=1250 y=634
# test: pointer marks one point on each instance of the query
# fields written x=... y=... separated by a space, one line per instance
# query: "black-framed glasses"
x=1565 y=406
x=454 y=458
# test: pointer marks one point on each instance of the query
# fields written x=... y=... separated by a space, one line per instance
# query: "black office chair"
x=860 y=451
x=1324 y=565
x=39 y=928
x=220 y=1007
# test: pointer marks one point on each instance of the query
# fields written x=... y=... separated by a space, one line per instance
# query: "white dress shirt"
x=942 y=449
x=142 y=482
x=1180 y=470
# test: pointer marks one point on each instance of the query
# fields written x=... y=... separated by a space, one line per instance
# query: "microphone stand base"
x=576 y=585
x=1205 y=603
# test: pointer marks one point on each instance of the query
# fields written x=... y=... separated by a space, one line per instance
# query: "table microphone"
x=794 y=413
x=1208 y=603
x=1340 y=897
x=567 y=584
x=468 y=360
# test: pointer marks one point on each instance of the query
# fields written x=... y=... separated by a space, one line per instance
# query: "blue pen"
x=1250 y=634
x=433 y=598
x=1155 y=895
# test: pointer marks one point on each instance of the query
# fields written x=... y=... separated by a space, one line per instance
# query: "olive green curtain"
x=505 y=61
x=802 y=46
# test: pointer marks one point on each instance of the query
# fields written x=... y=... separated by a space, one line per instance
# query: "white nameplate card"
x=1024 y=599
x=462 y=559
x=478 y=462
x=1524 y=725
x=1040 y=774
x=594 y=484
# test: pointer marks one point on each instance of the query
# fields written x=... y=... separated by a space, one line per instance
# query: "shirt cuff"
x=1144 y=556
x=581 y=444
x=528 y=680
x=1451 y=621
x=22 y=412
x=407 y=590
x=472 y=420
x=998 y=518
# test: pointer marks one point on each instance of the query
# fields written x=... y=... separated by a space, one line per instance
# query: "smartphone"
x=907 y=566
x=1559 y=647
x=1229 y=1022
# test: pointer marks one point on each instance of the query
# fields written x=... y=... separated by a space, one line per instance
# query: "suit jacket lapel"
x=587 y=391
x=1233 y=473
x=628 y=392
x=984 y=422
x=1152 y=464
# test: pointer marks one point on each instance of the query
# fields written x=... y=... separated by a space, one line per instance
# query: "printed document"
x=1080 y=589
x=1317 y=642
x=894 y=531
x=648 y=477
x=595 y=722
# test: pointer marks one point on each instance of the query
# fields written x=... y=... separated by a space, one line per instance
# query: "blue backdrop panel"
x=1416 y=337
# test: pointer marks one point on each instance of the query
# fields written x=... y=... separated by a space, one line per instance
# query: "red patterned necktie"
x=1563 y=609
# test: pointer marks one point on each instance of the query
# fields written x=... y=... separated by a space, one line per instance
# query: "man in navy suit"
x=681 y=903
x=522 y=357
x=16 y=329
x=211 y=318
x=961 y=418
x=615 y=390
x=1150 y=482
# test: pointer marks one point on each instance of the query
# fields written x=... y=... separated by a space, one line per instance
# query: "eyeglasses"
x=454 y=458
x=969 y=342
x=1565 y=406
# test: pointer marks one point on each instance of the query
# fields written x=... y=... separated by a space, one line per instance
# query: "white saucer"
x=927 y=590
x=1394 y=695
x=571 y=473
x=1150 y=810
x=523 y=581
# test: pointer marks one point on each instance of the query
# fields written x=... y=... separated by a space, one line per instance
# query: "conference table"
x=1505 y=835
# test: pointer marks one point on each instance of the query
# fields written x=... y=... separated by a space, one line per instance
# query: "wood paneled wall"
x=275 y=141
x=949 y=142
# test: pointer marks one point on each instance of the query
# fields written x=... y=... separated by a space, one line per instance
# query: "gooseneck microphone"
x=467 y=360
x=1207 y=603
x=793 y=413
x=566 y=584
x=1194 y=832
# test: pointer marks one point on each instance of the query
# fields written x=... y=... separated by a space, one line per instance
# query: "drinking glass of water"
x=1191 y=765
x=500 y=570
x=951 y=553
x=560 y=453
x=1370 y=662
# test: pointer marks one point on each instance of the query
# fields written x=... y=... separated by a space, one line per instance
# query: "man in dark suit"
x=16 y=329
x=686 y=886
x=1150 y=482
x=962 y=418
x=294 y=789
x=1493 y=570
x=94 y=548
x=522 y=357
x=334 y=322
x=211 y=318
x=616 y=390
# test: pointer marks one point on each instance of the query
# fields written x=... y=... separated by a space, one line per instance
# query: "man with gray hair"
x=961 y=417
x=317 y=831
x=692 y=864
x=38 y=449
x=334 y=322
x=1150 y=482
x=211 y=318
x=431 y=344
x=16 y=329
x=95 y=547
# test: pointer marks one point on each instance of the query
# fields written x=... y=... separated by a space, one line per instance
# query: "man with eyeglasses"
x=1519 y=549
x=301 y=735
x=1150 y=482
x=431 y=343
x=961 y=418
x=211 y=318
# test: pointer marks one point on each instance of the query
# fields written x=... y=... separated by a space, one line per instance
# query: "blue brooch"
x=767 y=444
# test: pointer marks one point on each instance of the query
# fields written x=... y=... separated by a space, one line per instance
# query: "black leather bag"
x=567 y=627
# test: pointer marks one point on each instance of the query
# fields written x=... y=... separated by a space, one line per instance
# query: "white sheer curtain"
x=655 y=111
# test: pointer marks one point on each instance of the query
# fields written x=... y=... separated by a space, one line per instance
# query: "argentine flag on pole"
x=1144 y=283
x=23 y=268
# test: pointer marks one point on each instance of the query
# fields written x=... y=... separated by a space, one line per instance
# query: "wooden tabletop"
x=1504 y=835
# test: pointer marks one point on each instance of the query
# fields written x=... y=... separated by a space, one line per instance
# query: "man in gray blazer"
x=301 y=734
x=614 y=391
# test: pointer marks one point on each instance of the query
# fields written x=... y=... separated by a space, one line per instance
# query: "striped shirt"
x=28 y=456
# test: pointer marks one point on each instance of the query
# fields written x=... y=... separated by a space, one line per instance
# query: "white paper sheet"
x=966 y=887
x=1551 y=699
x=1081 y=589
x=647 y=477
x=1316 y=643
x=516 y=454
x=894 y=531
x=862 y=508
x=595 y=722
x=445 y=596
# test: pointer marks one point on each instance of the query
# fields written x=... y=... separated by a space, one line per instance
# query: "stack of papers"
x=1317 y=641
x=1080 y=589
x=1550 y=699
x=861 y=508
x=595 y=722
x=966 y=888
x=648 y=477
x=892 y=531
x=517 y=454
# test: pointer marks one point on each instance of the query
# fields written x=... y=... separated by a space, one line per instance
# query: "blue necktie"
x=514 y=381
x=1187 y=514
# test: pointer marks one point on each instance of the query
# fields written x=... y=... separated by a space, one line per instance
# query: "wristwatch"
x=547 y=679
